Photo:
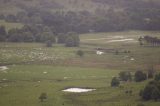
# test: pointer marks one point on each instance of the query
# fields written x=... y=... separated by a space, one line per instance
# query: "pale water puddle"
x=3 y=68
x=78 y=90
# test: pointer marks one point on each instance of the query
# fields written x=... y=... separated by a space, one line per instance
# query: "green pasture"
x=22 y=85
x=34 y=69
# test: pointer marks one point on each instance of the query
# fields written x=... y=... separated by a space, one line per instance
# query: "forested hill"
x=84 y=15
x=14 y=6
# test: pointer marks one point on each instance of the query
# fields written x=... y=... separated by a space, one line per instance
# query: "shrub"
x=69 y=42
x=151 y=72
x=151 y=91
x=43 y=96
x=72 y=39
x=140 y=76
x=125 y=76
x=157 y=77
x=115 y=82
x=80 y=53
x=155 y=94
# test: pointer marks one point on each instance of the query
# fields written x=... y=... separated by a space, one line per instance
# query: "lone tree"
x=125 y=76
x=3 y=33
x=157 y=77
x=155 y=94
x=72 y=39
x=151 y=72
x=140 y=76
x=140 y=40
x=115 y=82
x=80 y=53
x=61 y=38
x=151 y=91
x=69 y=42
x=43 y=96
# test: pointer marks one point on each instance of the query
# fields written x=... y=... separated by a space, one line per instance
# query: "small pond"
x=78 y=90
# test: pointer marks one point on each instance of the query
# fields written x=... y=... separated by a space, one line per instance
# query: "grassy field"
x=34 y=68
x=22 y=85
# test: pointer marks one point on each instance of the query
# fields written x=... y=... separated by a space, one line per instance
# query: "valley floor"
x=30 y=69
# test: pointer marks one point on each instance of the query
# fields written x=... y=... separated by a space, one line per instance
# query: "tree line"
x=131 y=14
x=154 y=41
x=38 y=33
x=151 y=91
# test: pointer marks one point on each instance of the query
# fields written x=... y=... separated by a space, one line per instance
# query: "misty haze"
x=79 y=52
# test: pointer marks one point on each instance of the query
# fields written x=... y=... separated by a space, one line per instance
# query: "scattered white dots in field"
x=78 y=90
x=5 y=85
x=125 y=61
x=66 y=77
x=30 y=55
x=39 y=81
x=83 y=77
x=3 y=68
x=4 y=79
x=45 y=72
x=37 y=48
x=13 y=65
x=4 y=71
x=132 y=59
x=99 y=52
x=126 y=56
x=93 y=76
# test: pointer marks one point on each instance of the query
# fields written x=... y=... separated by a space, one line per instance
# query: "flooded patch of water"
x=78 y=90
x=3 y=68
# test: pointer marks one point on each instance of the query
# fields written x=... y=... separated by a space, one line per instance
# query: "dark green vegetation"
x=80 y=53
x=140 y=76
x=115 y=82
x=153 y=41
x=38 y=34
x=43 y=96
x=83 y=16
x=125 y=76
x=151 y=90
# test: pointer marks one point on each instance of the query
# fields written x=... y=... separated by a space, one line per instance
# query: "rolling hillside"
x=14 y=6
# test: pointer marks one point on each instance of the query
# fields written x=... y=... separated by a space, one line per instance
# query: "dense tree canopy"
x=140 y=76
x=151 y=91
x=118 y=16
x=3 y=33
